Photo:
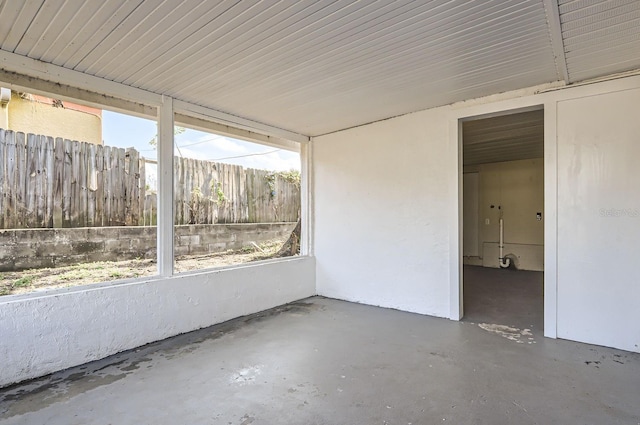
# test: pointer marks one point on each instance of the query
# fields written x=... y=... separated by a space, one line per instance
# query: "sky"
x=127 y=131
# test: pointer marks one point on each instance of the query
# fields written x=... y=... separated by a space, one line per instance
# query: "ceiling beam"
x=48 y=72
x=224 y=118
x=16 y=67
x=205 y=124
x=557 y=42
x=33 y=85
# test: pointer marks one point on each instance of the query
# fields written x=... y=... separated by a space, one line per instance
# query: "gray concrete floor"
x=322 y=361
x=505 y=297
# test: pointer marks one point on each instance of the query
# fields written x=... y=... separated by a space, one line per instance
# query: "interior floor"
x=323 y=361
x=508 y=297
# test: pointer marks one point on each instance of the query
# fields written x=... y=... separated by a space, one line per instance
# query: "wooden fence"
x=49 y=182
x=212 y=192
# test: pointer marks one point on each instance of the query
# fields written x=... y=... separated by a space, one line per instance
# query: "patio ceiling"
x=503 y=138
x=314 y=67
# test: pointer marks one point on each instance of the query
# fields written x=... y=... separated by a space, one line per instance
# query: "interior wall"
x=599 y=219
x=381 y=197
x=514 y=189
x=65 y=328
x=471 y=202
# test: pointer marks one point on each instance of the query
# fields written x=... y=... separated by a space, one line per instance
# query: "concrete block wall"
x=35 y=248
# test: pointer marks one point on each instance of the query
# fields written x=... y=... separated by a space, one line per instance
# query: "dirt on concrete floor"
x=105 y=271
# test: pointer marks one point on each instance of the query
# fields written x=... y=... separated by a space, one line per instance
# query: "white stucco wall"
x=599 y=219
x=387 y=210
x=382 y=203
x=47 y=333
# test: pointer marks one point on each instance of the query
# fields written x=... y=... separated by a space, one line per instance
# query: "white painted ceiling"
x=314 y=67
x=503 y=138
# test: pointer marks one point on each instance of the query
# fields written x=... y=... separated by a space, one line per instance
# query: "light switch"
x=487 y=221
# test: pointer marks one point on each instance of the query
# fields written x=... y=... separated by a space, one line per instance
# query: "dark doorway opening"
x=503 y=222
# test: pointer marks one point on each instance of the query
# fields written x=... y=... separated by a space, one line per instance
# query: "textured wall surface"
x=599 y=219
x=36 y=115
x=382 y=206
x=387 y=210
x=49 y=332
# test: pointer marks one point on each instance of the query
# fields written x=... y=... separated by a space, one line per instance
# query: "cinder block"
x=217 y=247
x=188 y=240
x=86 y=247
x=54 y=248
x=24 y=249
x=117 y=245
x=6 y=250
x=7 y=265
x=28 y=263
x=7 y=236
x=181 y=250
x=69 y=260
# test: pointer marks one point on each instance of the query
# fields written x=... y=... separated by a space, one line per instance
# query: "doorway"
x=503 y=219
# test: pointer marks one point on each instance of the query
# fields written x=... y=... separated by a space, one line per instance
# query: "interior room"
x=503 y=228
x=395 y=112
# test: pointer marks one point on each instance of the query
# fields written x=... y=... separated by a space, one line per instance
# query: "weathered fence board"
x=48 y=182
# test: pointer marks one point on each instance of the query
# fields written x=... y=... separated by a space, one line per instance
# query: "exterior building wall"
x=41 y=115
x=388 y=209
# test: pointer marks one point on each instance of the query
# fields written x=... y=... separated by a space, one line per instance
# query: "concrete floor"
x=322 y=361
x=504 y=296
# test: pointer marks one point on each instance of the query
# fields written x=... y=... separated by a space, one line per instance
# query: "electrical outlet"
x=487 y=221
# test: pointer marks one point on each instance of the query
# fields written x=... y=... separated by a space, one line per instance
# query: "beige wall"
x=5 y=97
x=31 y=115
x=517 y=187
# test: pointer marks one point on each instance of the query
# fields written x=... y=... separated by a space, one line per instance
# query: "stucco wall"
x=31 y=248
x=599 y=219
x=388 y=210
x=382 y=204
x=53 y=331
x=39 y=117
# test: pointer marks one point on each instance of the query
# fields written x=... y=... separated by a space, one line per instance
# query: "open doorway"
x=503 y=222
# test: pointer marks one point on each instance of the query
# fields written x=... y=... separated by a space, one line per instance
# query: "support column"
x=306 y=195
x=165 y=187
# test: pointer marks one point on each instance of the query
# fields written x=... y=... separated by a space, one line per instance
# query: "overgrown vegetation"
x=291 y=176
x=105 y=271
x=216 y=188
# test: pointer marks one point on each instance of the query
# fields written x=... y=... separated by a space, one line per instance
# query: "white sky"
x=126 y=131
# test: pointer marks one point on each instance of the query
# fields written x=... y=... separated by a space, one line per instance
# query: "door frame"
x=511 y=106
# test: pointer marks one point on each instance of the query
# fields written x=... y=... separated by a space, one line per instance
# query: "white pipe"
x=504 y=262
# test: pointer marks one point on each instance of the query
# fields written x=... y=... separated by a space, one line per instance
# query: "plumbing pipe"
x=504 y=262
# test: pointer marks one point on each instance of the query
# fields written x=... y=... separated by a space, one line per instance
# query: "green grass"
x=23 y=282
x=104 y=271
x=74 y=274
